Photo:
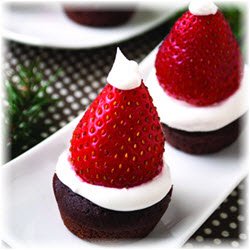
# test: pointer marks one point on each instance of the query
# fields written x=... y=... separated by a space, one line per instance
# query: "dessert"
x=199 y=81
x=99 y=16
x=113 y=181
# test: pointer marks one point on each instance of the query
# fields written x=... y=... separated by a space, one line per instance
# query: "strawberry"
x=119 y=141
x=199 y=61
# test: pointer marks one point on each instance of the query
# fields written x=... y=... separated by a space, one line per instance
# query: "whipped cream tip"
x=125 y=73
x=202 y=7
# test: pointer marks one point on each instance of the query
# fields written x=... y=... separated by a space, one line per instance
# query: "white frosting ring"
x=183 y=116
x=119 y=199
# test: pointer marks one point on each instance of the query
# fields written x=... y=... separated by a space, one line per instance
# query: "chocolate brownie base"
x=88 y=220
x=100 y=18
x=202 y=142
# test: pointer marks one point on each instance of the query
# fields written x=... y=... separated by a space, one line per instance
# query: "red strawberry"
x=200 y=62
x=119 y=141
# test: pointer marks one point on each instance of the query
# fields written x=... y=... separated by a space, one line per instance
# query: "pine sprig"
x=25 y=102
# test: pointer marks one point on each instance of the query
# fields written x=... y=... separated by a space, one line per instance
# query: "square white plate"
x=29 y=211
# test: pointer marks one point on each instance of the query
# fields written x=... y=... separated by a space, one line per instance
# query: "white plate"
x=30 y=215
x=47 y=25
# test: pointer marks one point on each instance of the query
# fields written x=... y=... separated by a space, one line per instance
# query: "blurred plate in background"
x=47 y=25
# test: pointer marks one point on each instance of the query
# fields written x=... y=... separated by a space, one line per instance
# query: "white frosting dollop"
x=202 y=7
x=181 y=115
x=119 y=199
x=125 y=73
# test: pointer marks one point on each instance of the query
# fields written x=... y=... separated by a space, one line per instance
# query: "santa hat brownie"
x=119 y=141
x=199 y=69
x=113 y=179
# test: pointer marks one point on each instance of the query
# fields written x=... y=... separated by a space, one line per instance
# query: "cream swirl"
x=202 y=8
x=125 y=73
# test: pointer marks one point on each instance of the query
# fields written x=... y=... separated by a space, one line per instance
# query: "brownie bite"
x=203 y=142
x=98 y=17
x=88 y=220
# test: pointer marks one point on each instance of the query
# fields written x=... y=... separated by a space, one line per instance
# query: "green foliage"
x=26 y=99
x=234 y=16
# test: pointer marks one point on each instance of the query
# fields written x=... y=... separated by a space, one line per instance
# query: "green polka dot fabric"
x=83 y=76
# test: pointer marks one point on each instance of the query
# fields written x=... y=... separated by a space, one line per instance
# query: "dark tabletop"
x=83 y=76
